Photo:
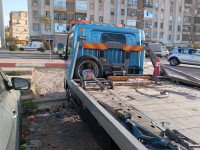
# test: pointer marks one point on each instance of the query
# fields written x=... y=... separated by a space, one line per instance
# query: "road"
x=27 y=55
x=193 y=70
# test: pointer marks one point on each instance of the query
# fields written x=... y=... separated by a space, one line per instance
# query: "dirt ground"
x=61 y=127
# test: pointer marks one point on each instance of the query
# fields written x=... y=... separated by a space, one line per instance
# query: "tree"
x=47 y=22
x=10 y=40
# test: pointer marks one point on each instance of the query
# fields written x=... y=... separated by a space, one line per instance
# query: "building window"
x=47 y=2
x=131 y=12
x=112 y=11
x=92 y=6
x=169 y=37
x=147 y=24
x=59 y=27
x=132 y=2
x=100 y=1
x=170 y=27
x=92 y=17
x=148 y=14
x=36 y=26
x=100 y=19
x=185 y=37
x=148 y=3
x=34 y=2
x=186 y=28
x=60 y=3
x=60 y=16
x=154 y=34
x=197 y=29
x=112 y=1
x=198 y=2
x=155 y=24
x=161 y=25
x=147 y=34
x=122 y=11
x=80 y=16
x=122 y=22
x=186 y=19
x=26 y=22
x=188 y=1
x=179 y=28
x=187 y=10
x=131 y=23
x=178 y=37
x=197 y=20
x=101 y=8
x=161 y=34
x=16 y=14
x=197 y=37
x=123 y=1
x=48 y=14
x=35 y=14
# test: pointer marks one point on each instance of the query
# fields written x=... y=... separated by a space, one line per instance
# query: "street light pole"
x=2 y=31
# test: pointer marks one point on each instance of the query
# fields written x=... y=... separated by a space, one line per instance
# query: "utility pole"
x=2 y=31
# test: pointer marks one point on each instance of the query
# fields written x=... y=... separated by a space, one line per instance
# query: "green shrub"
x=14 y=73
x=42 y=48
x=28 y=103
x=13 y=47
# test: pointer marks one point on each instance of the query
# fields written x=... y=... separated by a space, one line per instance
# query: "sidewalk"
x=31 y=63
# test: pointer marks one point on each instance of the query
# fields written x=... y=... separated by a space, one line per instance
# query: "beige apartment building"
x=172 y=22
x=19 y=27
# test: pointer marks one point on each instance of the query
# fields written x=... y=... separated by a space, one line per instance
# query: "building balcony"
x=146 y=3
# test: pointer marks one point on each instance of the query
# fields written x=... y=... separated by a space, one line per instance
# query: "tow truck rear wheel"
x=88 y=62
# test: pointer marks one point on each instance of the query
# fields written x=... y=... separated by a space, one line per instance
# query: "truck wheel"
x=88 y=62
x=21 y=49
x=174 y=61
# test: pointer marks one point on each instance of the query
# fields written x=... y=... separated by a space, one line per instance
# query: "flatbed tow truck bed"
x=177 y=109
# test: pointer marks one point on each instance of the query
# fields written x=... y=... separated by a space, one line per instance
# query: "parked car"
x=184 y=55
x=10 y=111
x=158 y=49
x=35 y=45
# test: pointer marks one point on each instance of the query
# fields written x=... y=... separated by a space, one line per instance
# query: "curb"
x=32 y=65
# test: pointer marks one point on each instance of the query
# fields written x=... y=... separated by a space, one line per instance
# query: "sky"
x=13 y=5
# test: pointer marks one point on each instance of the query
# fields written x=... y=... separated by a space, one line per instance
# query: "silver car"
x=184 y=55
x=10 y=111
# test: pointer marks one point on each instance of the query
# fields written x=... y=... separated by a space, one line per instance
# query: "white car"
x=184 y=55
x=10 y=111
x=35 y=45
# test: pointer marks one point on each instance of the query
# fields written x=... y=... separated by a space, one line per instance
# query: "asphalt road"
x=26 y=55
x=193 y=70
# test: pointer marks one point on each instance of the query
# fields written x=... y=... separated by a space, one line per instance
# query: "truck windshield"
x=113 y=38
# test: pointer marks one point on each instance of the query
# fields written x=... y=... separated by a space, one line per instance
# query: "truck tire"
x=174 y=61
x=88 y=62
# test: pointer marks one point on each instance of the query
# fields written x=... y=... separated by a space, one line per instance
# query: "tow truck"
x=123 y=108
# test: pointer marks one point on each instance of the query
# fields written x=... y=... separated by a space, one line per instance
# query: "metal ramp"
x=171 y=73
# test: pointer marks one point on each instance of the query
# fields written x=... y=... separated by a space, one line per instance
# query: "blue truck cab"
x=105 y=49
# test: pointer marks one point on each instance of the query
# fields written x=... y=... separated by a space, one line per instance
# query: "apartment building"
x=172 y=22
x=7 y=30
x=54 y=10
x=19 y=27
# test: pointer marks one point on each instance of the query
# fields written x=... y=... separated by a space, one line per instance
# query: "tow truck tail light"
x=170 y=54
